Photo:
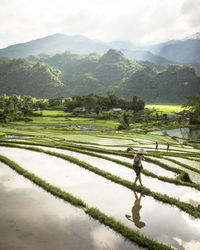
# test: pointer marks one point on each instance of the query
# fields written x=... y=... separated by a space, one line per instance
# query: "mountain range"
x=175 y=51
x=75 y=65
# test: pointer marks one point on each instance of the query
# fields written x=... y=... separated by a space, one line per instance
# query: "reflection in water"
x=136 y=212
x=33 y=219
x=185 y=133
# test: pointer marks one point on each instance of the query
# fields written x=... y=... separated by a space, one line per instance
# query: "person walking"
x=167 y=146
x=137 y=164
x=156 y=148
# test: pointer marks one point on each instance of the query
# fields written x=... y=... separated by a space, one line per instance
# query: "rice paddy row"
x=125 y=231
x=194 y=211
x=91 y=148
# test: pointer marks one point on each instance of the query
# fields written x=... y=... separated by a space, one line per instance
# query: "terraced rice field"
x=92 y=176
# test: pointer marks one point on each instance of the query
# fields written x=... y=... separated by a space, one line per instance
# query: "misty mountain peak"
x=194 y=36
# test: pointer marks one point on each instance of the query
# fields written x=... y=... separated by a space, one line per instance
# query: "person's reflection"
x=136 y=212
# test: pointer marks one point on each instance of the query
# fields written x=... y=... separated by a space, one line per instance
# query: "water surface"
x=185 y=133
x=195 y=177
x=160 y=221
x=33 y=219
x=128 y=174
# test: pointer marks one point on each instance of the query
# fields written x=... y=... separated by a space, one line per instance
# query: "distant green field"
x=51 y=112
x=48 y=119
x=76 y=120
x=167 y=109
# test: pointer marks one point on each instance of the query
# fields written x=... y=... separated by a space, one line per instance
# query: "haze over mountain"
x=180 y=51
x=56 y=43
x=186 y=51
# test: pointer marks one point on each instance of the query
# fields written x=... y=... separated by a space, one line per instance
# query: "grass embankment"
x=188 y=208
x=125 y=231
x=161 y=156
x=184 y=165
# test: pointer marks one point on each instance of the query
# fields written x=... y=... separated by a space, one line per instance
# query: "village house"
x=79 y=110
x=117 y=110
x=173 y=118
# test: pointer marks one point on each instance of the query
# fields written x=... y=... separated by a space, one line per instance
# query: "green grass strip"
x=188 y=208
x=43 y=184
x=183 y=154
x=125 y=231
x=184 y=165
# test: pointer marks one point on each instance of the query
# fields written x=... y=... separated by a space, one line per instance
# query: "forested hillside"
x=23 y=77
x=167 y=86
x=68 y=74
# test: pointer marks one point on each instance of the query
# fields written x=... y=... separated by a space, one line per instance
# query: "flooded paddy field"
x=186 y=194
x=70 y=226
x=191 y=163
x=33 y=219
x=106 y=164
x=177 y=229
x=123 y=143
x=194 y=176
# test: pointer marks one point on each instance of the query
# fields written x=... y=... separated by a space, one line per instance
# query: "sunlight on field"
x=51 y=112
x=73 y=120
x=169 y=109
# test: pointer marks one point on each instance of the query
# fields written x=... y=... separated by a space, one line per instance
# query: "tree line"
x=14 y=107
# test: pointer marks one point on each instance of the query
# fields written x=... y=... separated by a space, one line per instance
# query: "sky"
x=141 y=22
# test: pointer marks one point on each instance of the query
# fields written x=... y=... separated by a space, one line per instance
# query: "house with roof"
x=79 y=110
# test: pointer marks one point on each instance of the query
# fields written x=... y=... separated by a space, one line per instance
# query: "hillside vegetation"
x=23 y=77
x=67 y=74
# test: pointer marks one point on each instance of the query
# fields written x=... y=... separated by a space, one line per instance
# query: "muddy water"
x=33 y=219
x=156 y=185
x=160 y=221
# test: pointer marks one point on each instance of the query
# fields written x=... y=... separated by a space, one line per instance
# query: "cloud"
x=191 y=13
x=139 y=21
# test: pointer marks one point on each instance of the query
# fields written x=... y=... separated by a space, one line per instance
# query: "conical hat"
x=141 y=151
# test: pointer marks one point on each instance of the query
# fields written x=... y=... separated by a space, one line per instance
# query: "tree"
x=193 y=104
x=137 y=105
x=125 y=119
x=56 y=103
